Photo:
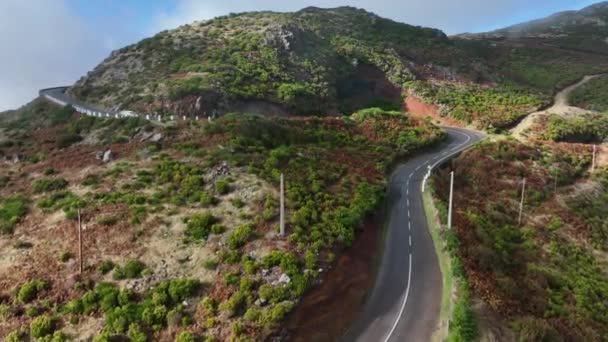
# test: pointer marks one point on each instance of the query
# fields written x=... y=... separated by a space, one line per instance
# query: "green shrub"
x=49 y=171
x=222 y=186
x=32 y=311
x=42 y=326
x=463 y=325
x=61 y=115
x=12 y=210
x=198 y=226
x=239 y=236
x=236 y=305
x=67 y=139
x=49 y=184
x=275 y=314
x=105 y=267
x=231 y=278
x=14 y=336
x=131 y=270
x=237 y=202
x=30 y=290
x=185 y=336
x=135 y=333
x=107 y=220
x=91 y=180
x=210 y=264
x=66 y=256
x=206 y=199
x=217 y=229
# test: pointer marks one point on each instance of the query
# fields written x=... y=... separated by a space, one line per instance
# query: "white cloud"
x=43 y=45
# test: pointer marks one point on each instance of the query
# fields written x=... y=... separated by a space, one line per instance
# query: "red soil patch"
x=327 y=311
x=420 y=109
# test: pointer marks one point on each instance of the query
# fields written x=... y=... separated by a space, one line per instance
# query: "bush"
x=90 y=180
x=131 y=270
x=275 y=314
x=199 y=226
x=463 y=325
x=239 y=236
x=210 y=264
x=237 y=202
x=49 y=184
x=105 y=266
x=217 y=229
x=135 y=333
x=30 y=290
x=236 y=304
x=32 y=311
x=185 y=336
x=12 y=209
x=66 y=256
x=67 y=139
x=222 y=186
x=14 y=336
x=42 y=326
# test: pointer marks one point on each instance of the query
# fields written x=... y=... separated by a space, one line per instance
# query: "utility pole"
x=282 y=210
x=555 y=181
x=593 y=159
x=80 y=241
x=451 y=200
x=521 y=204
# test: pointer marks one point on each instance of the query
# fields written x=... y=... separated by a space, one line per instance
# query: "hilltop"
x=328 y=62
x=584 y=30
x=314 y=61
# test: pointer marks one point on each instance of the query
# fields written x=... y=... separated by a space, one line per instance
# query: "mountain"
x=585 y=30
x=314 y=61
x=328 y=62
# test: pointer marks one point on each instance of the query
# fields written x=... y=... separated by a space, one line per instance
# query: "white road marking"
x=408 y=202
x=407 y=293
x=409 y=276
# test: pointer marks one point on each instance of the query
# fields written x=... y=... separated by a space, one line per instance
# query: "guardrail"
x=57 y=95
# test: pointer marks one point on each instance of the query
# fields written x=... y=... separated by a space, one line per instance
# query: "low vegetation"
x=589 y=128
x=486 y=107
x=543 y=275
x=591 y=95
x=210 y=194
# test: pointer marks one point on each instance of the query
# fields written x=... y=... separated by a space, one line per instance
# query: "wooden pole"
x=80 y=241
x=282 y=210
x=521 y=204
x=593 y=159
x=451 y=200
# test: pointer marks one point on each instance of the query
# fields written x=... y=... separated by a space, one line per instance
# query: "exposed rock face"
x=108 y=156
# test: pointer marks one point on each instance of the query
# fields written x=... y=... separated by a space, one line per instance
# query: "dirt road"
x=560 y=107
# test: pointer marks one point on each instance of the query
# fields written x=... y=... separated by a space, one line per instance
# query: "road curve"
x=405 y=301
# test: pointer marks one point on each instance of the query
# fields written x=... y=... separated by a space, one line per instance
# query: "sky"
x=46 y=43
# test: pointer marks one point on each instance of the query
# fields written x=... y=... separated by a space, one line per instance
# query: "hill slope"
x=311 y=61
x=584 y=30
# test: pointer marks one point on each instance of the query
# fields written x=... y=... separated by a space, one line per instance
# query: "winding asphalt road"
x=405 y=302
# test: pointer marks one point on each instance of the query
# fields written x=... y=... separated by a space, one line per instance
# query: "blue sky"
x=54 y=42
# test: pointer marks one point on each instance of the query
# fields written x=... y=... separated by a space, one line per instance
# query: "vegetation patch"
x=542 y=271
x=591 y=95
x=12 y=210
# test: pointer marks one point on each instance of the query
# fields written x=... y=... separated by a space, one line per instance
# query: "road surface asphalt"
x=405 y=301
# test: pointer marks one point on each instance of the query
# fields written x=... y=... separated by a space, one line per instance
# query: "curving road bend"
x=405 y=302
